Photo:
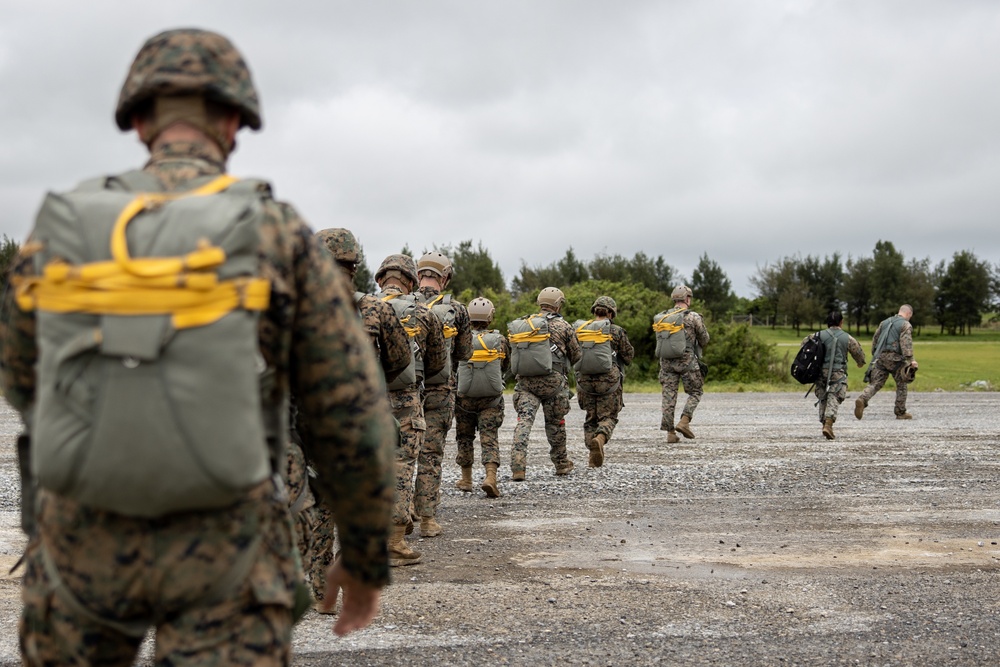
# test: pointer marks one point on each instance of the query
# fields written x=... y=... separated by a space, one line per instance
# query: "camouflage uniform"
x=837 y=386
x=484 y=414
x=168 y=572
x=891 y=361
x=683 y=369
x=407 y=407
x=551 y=392
x=601 y=395
x=439 y=409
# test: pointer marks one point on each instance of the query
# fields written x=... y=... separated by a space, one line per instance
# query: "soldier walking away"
x=606 y=351
x=434 y=271
x=314 y=520
x=543 y=347
x=680 y=337
x=892 y=354
x=479 y=403
x=396 y=277
x=833 y=380
x=157 y=323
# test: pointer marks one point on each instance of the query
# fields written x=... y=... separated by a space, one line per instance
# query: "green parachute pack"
x=405 y=307
x=444 y=308
x=671 y=341
x=482 y=376
x=530 y=352
x=595 y=343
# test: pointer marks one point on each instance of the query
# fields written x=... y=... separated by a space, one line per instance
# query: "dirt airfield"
x=757 y=543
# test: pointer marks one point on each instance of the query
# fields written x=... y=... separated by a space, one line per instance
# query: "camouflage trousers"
x=670 y=382
x=878 y=379
x=439 y=410
x=323 y=547
x=829 y=401
x=602 y=404
x=407 y=409
x=484 y=415
x=95 y=580
x=554 y=408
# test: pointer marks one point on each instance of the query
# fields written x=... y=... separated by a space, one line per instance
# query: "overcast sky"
x=748 y=130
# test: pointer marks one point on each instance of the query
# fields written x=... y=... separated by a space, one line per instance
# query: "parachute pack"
x=150 y=380
x=443 y=307
x=529 y=345
x=405 y=307
x=482 y=376
x=807 y=367
x=595 y=343
x=671 y=341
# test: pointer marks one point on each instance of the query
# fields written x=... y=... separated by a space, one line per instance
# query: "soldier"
x=315 y=522
x=435 y=271
x=397 y=276
x=892 y=354
x=543 y=347
x=479 y=404
x=201 y=549
x=679 y=363
x=833 y=381
x=599 y=375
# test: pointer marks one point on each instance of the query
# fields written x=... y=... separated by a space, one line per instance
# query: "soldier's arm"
x=435 y=354
x=18 y=350
x=505 y=362
x=573 y=351
x=906 y=342
x=348 y=431
x=701 y=333
x=856 y=351
x=463 y=340
x=394 y=343
x=626 y=353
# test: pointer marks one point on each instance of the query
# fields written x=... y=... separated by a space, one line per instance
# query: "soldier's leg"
x=902 y=388
x=588 y=402
x=439 y=409
x=555 y=408
x=490 y=421
x=877 y=381
x=526 y=404
x=407 y=409
x=821 y=397
x=669 y=383
x=323 y=547
x=606 y=413
x=836 y=396
x=694 y=387
x=466 y=423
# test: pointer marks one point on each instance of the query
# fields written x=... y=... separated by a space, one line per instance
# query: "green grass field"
x=949 y=363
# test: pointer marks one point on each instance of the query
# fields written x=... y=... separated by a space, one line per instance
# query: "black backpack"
x=807 y=367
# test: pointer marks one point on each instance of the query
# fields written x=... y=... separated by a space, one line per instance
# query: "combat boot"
x=859 y=408
x=400 y=552
x=429 y=527
x=905 y=415
x=465 y=484
x=564 y=468
x=597 y=451
x=672 y=437
x=828 y=429
x=517 y=475
x=684 y=428
x=490 y=483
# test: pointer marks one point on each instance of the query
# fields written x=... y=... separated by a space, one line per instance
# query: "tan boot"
x=672 y=437
x=905 y=415
x=828 y=429
x=429 y=527
x=564 y=468
x=684 y=428
x=859 y=408
x=597 y=451
x=517 y=475
x=400 y=552
x=490 y=483
x=465 y=484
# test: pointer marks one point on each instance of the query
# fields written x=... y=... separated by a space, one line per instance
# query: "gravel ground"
x=757 y=543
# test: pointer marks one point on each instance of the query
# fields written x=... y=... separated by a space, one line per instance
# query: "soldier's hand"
x=915 y=364
x=360 y=603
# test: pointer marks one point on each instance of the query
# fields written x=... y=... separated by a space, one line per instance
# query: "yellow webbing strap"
x=529 y=336
x=486 y=354
x=410 y=331
x=176 y=286
x=590 y=335
x=661 y=325
x=449 y=330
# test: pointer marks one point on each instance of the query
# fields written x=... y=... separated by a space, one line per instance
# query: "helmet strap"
x=190 y=110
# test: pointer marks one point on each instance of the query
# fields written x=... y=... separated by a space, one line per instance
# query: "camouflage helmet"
x=607 y=303
x=680 y=293
x=189 y=62
x=436 y=263
x=481 y=310
x=551 y=296
x=340 y=243
x=909 y=373
x=400 y=263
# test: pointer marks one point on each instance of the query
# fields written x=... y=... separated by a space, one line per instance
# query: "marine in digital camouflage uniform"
x=435 y=271
x=121 y=574
x=396 y=277
x=392 y=346
x=481 y=413
x=894 y=359
x=831 y=388
x=683 y=369
x=550 y=392
x=600 y=394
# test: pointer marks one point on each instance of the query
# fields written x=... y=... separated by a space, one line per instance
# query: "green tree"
x=887 y=280
x=8 y=251
x=364 y=279
x=771 y=282
x=475 y=270
x=857 y=294
x=920 y=292
x=567 y=271
x=713 y=287
x=964 y=293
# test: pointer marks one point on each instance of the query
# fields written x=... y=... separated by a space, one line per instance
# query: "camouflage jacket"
x=567 y=349
x=840 y=361
x=430 y=338
x=310 y=335
x=624 y=353
x=387 y=334
x=461 y=346
x=697 y=338
x=895 y=353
